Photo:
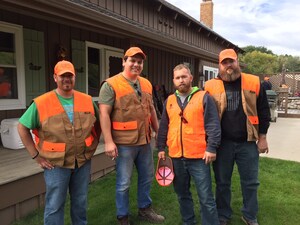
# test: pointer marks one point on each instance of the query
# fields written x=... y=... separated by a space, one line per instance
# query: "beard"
x=183 y=88
x=230 y=74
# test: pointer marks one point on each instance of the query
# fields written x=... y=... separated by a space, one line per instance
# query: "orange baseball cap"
x=133 y=51
x=227 y=54
x=164 y=172
x=64 y=67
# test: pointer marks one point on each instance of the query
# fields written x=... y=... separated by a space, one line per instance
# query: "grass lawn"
x=279 y=199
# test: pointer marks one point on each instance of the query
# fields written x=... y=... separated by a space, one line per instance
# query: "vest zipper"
x=181 y=143
x=75 y=146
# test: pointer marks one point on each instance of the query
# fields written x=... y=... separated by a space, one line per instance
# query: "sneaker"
x=149 y=215
x=124 y=220
x=248 y=222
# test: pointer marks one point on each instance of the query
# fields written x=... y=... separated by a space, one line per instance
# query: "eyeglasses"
x=137 y=90
x=182 y=118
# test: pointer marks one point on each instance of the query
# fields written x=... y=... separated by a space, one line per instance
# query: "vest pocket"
x=90 y=148
x=54 y=152
x=253 y=120
x=131 y=125
x=53 y=147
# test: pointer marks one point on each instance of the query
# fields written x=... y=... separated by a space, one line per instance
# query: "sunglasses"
x=137 y=90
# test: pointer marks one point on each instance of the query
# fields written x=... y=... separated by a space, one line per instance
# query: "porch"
x=22 y=185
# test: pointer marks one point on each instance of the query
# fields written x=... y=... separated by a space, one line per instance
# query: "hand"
x=262 y=144
x=111 y=150
x=209 y=157
x=44 y=163
x=162 y=155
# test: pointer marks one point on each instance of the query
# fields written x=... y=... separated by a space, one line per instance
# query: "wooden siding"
x=164 y=20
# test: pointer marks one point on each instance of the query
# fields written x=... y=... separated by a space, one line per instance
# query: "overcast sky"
x=274 y=24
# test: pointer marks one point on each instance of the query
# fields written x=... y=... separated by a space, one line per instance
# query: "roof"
x=87 y=15
x=187 y=16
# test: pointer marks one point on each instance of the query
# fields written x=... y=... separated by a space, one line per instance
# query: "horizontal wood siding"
x=146 y=12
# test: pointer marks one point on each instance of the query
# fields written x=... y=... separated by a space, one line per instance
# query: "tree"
x=258 y=62
x=251 y=48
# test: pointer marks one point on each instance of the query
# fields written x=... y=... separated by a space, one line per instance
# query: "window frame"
x=20 y=102
x=103 y=60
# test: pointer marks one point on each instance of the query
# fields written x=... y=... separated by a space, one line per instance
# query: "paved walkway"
x=284 y=139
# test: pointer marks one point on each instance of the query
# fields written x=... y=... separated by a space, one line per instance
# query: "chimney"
x=206 y=13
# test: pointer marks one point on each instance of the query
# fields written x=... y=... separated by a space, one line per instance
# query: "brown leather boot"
x=149 y=215
x=124 y=220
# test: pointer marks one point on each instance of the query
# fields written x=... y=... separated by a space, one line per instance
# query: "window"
x=102 y=62
x=12 y=82
x=210 y=72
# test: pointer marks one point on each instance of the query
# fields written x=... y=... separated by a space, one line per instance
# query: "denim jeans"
x=141 y=156
x=246 y=156
x=58 y=181
x=184 y=169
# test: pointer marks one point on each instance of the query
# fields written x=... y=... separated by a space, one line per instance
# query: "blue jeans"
x=246 y=156
x=141 y=156
x=58 y=181
x=184 y=169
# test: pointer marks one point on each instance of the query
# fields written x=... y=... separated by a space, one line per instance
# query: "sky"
x=274 y=24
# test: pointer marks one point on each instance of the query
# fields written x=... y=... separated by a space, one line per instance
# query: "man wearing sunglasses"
x=127 y=115
x=190 y=128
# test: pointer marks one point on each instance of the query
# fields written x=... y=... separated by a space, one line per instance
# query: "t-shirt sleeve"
x=30 y=118
x=106 y=95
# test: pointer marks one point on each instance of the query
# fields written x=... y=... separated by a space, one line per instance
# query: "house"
x=93 y=34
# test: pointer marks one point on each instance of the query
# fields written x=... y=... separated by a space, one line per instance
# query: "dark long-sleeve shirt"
x=211 y=124
x=234 y=119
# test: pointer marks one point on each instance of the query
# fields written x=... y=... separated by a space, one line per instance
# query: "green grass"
x=279 y=199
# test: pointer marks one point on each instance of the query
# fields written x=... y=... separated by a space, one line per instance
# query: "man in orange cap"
x=190 y=128
x=244 y=112
x=127 y=115
x=266 y=84
x=63 y=121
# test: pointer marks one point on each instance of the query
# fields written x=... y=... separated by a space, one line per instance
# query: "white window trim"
x=20 y=103
x=104 y=49
x=214 y=70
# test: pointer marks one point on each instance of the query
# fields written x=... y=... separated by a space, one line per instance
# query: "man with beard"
x=63 y=121
x=190 y=128
x=245 y=115
x=127 y=114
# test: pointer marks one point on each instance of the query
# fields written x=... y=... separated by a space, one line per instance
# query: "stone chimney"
x=206 y=13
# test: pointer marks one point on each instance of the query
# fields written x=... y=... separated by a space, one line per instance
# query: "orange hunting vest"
x=131 y=116
x=250 y=92
x=60 y=141
x=186 y=138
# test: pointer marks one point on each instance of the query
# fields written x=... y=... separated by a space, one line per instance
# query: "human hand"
x=209 y=157
x=262 y=144
x=111 y=150
x=44 y=163
x=162 y=155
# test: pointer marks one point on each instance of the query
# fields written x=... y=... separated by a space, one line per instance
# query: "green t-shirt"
x=30 y=118
x=107 y=94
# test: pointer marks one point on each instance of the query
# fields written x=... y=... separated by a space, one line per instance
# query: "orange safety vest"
x=60 y=141
x=250 y=91
x=131 y=116
x=186 y=137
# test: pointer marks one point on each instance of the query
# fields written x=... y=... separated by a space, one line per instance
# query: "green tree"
x=258 y=62
x=251 y=48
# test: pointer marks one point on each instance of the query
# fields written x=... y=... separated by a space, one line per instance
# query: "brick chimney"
x=206 y=13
